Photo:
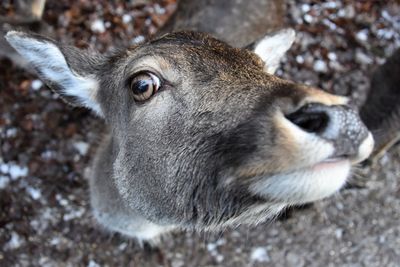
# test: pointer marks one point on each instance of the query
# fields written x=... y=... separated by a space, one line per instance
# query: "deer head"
x=203 y=134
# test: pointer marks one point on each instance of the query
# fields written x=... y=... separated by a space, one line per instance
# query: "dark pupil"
x=141 y=86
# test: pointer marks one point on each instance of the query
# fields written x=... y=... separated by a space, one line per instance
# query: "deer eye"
x=144 y=86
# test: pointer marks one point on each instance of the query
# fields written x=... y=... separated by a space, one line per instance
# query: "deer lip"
x=306 y=184
x=330 y=163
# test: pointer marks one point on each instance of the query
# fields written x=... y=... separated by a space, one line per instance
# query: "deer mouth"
x=306 y=184
x=329 y=163
x=311 y=182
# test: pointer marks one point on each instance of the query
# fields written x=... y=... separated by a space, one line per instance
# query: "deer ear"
x=273 y=47
x=69 y=71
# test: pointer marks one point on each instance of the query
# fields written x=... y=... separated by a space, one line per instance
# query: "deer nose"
x=337 y=124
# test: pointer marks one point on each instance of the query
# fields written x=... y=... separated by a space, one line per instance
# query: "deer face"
x=202 y=133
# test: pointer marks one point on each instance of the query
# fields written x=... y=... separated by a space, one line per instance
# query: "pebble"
x=332 y=56
x=126 y=18
x=15 y=241
x=92 y=263
x=138 y=39
x=308 y=18
x=305 y=8
x=320 y=66
x=15 y=171
x=81 y=147
x=98 y=26
x=362 y=58
x=259 y=254
x=11 y=132
x=34 y=193
x=339 y=233
x=299 y=59
x=4 y=181
x=362 y=35
x=36 y=84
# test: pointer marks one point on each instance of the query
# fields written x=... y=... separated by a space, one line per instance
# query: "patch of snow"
x=46 y=262
x=362 y=35
x=16 y=171
x=299 y=59
x=148 y=22
x=34 y=193
x=330 y=5
x=332 y=56
x=122 y=246
x=339 y=206
x=348 y=12
x=15 y=241
x=48 y=154
x=76 y=213
x=320 y=66
x=34 y=224
x=308 y=18
x=98 y=26
x=4 y=181
x=159 y=9
x=211 y=246
x=62 y=201
x=221 y=242
x=259 y=254
x=385 y=33
x=339 y=233
x=55 y=241
x=384 y=160
x=305 y=8
x=138 y=39
x=219 y=258
x=212 y=249
x=4 y=168
x=11 y=132
x=13 y=170
x=387 y=16
x=92 y=263
x=82 y=147
x=36 y=84
x=336 y=66
x=332 y=26
x=363 y=58
x=126 y=18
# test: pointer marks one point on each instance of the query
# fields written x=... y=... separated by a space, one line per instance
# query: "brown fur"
x=201 y=152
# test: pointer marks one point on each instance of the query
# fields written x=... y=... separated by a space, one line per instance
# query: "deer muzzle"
x=340 y=125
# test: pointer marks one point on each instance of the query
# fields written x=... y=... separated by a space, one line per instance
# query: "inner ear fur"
x=69 y=71
x=272 y=47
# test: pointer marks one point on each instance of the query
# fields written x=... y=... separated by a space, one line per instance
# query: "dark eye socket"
x=144 y=86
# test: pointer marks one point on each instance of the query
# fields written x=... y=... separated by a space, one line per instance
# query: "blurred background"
x=45 y=146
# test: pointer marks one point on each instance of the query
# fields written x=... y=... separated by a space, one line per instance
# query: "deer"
x=200 y=134
x=380 y=112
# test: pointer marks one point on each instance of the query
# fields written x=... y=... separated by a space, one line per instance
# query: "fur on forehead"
x=206 y=46
x=266 y=52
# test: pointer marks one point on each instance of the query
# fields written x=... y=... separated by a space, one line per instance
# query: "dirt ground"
x=45 y=146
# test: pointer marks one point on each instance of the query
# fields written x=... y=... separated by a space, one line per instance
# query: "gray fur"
x=190 y=156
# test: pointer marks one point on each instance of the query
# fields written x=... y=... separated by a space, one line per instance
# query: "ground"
x=45 y=146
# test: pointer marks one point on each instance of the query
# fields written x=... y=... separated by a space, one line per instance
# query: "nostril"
x=308 y=120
